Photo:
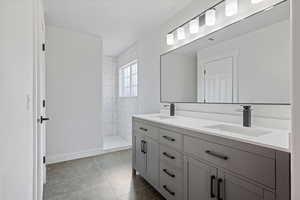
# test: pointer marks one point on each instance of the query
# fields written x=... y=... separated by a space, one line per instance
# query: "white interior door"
x=41 y=106
x=218 y=80
x=217 y=77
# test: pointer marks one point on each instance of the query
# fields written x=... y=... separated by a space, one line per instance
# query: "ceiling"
x=118 y=22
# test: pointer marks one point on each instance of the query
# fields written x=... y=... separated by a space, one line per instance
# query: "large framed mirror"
x=246 y=62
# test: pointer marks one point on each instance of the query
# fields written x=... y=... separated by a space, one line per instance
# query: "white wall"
x=147 y=51
x=74 y=94
x=296 y=100
x=109 y=95
x=16 y=103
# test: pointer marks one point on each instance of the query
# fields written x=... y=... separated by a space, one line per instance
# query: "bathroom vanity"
x=243 y=60
x=192 y=159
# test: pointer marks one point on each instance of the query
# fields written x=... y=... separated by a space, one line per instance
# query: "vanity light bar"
x=194 y=25
x=180 y=33
x=170 y=39
x=231 y=9
x=210 y=17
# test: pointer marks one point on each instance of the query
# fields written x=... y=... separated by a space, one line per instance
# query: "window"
x=128 y=80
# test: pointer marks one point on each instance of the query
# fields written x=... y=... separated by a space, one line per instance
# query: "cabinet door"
x=200 y=180
x=231 y=187
x=140 y=155
x=152 y=149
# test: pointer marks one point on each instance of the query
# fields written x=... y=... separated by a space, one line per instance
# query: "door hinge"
x=44 y=159
x=44 y=103
x=44 y=47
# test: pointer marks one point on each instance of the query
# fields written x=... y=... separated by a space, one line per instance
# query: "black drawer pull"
x=212 y=181
x=168 y=190
x=143 y=129
x=219 y=189
x=168 y=155
x=168 y=173
x=169 y=138
x=216 y=155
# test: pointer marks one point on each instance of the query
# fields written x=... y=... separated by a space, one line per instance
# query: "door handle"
x=42 y=119
x=212 y=181
x=220 y=181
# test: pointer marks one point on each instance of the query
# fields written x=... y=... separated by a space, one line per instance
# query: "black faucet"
x=247 y=116
x=172 y=109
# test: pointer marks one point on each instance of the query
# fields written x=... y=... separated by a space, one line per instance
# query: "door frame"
x=37 y=177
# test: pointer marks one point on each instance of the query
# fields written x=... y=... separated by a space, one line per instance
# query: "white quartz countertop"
x=275 y=138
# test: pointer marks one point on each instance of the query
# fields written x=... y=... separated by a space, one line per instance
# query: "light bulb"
x=180 y=33
x=256 y=1
x=231 y=7
x=170 y=39
x=194 y=26
x=210 y=17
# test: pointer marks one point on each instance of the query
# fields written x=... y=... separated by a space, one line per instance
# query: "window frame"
x=122 y=80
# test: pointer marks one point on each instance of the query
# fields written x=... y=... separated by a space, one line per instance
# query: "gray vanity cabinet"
x=231 y=187
x=146 y=154
x=200 y=180
x=188 y=165
x=207 y=182
x=152 y=161
x=140 y=155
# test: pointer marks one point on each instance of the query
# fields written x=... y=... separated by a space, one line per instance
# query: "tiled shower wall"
x=109 y=96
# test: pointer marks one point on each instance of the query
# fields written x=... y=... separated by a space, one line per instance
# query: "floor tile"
x=104 y=177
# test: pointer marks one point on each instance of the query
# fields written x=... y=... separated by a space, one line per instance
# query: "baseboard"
x=83 y=154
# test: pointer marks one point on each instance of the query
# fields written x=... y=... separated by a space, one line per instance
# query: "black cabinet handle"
x=168 y=190
x=142 y=147
x=212 y=181
x=216 y=155
x=168 y=173
x=169 y=138
x=219 y=189
x=143 y=129
x=168 y=155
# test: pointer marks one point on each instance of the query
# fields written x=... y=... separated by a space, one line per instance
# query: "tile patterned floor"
x=105 y=177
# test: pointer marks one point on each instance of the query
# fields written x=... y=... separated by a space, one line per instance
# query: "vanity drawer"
x=171 y=156
x=171 y=139
x=170 y=190
x=171 y=173
x=146 y=129
x=252 y=166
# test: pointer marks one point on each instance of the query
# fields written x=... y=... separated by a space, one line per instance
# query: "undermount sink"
x=254 y=132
